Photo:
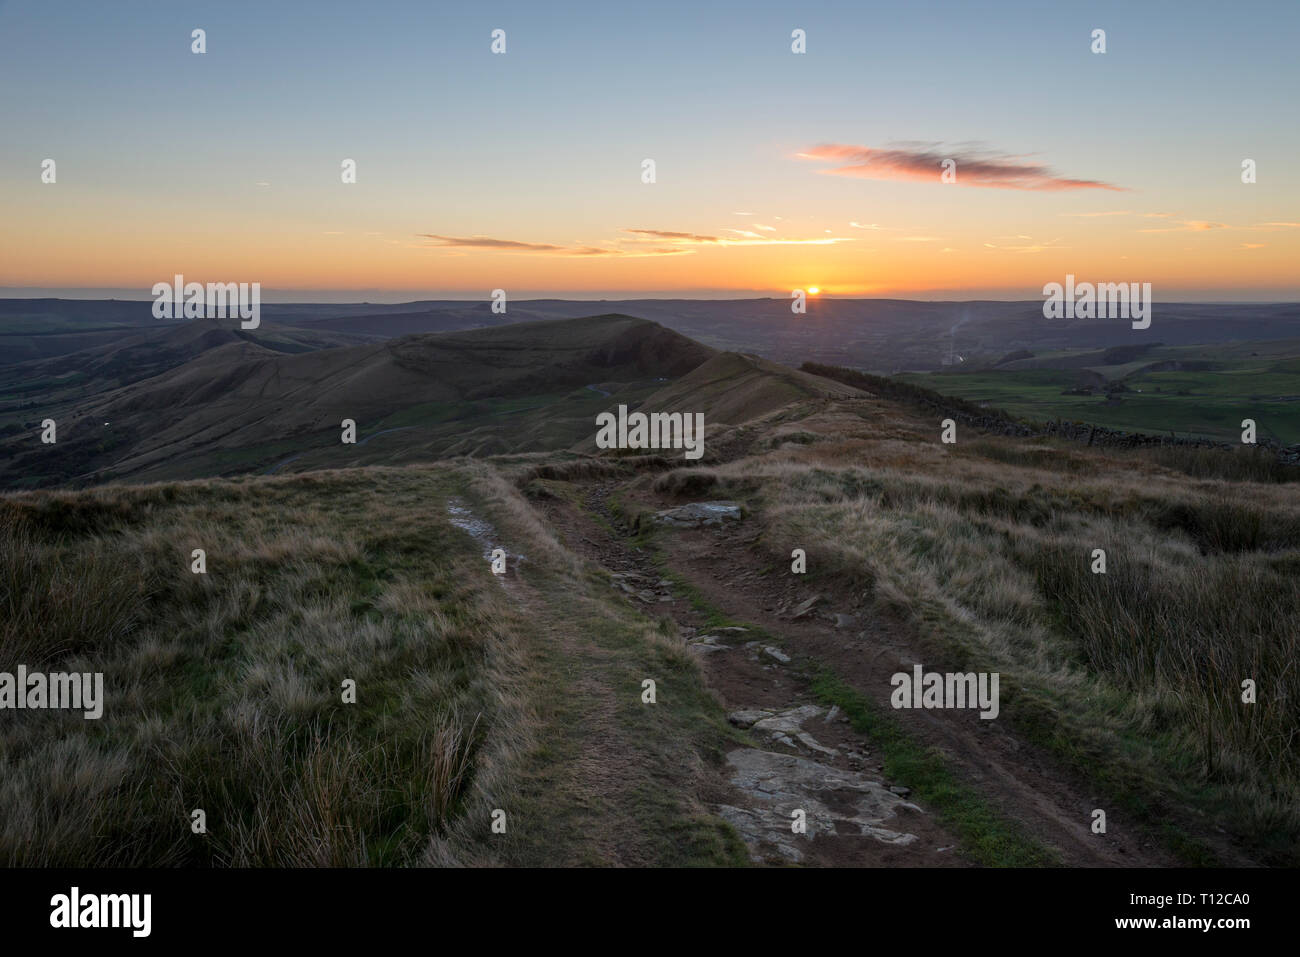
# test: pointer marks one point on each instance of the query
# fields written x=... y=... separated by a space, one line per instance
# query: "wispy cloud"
x=667 y=234
x=439 y=241
x=747 y=238
x=1030 y=246
x=925 y=164
x=642 y=242
x=1188 y=225
x=486 y=242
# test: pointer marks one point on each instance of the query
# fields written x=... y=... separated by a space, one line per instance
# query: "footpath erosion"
x=822 y=770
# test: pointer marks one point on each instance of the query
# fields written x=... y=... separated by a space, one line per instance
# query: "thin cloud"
x=1189 y=225
x=439 y=241
x=486 y=242
x=1031 y=247
x=747 y=238
x=644 y=242
x=925 y=164
x=667 y=234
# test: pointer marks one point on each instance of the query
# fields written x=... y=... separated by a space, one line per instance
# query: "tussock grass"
x=1245 y=464
x=54 y=601
x=223 y=691
x=1192 y=632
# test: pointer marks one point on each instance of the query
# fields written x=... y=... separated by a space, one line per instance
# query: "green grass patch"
x=985 y=836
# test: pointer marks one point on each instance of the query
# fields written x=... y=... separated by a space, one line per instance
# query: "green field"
x=1192 y=391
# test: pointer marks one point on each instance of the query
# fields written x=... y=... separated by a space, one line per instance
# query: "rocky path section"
x=805 y=765
x=865 y=651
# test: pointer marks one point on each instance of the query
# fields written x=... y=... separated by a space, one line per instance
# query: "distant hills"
x=145 y=399
x=878 y=335
x=225 y=401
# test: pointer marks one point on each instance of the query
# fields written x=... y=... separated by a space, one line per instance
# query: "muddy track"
x=1024 y=784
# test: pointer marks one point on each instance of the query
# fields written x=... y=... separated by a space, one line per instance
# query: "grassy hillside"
x=224 y=690
x=1120 y=690
x=239 y=405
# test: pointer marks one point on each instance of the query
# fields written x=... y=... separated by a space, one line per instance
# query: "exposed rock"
x=776 y=654
x=781 y=783
x=745 y=717
x=786 y=724
x=844 y=621
x=805 y=607
x=900 y=790
x=699 y=514
x=707 y=643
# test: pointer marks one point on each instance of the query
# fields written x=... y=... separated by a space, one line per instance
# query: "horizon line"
x=59 y=294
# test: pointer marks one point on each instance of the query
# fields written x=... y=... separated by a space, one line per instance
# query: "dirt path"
x=1020 y=781
x=803 y=757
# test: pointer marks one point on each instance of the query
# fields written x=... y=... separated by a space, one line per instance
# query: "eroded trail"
x=766 y=687
x=804 y=757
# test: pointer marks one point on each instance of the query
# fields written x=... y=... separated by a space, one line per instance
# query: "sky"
x=774 y=170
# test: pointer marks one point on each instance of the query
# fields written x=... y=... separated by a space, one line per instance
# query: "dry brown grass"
x=223 y=690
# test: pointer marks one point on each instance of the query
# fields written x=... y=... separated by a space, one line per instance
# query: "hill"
x=877 y=335
x=241 y=405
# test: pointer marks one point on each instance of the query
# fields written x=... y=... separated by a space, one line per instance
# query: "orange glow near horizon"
x=58 y=246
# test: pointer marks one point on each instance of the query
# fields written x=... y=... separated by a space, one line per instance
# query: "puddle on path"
x=482 y=531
